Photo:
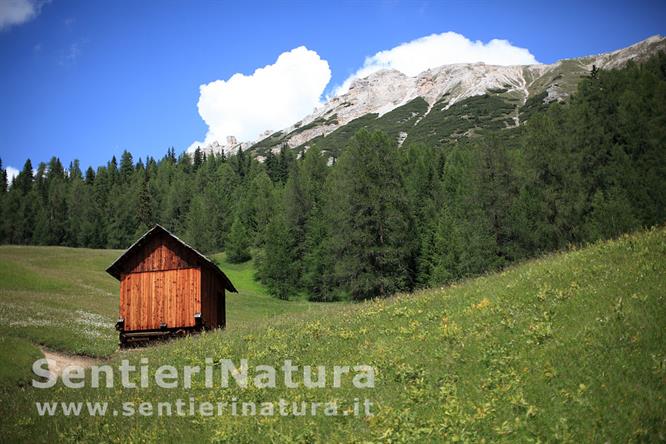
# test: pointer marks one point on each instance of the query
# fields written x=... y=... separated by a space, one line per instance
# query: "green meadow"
x=570 y=347
x=62 y=299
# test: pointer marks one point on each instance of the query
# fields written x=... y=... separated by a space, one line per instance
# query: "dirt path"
x=62 y=360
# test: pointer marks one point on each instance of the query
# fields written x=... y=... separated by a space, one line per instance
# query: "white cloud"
x=272 y=97
x=11 y=173
x=16 y=12
x=414 y=57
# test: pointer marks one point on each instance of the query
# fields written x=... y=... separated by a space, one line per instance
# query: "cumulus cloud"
x=418 y=55
x=16 y=12
x=272 y=97
x=11 y=173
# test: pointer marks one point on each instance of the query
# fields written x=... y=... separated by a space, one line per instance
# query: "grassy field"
x=57 y=297
x=62 y=298
x=570 y=347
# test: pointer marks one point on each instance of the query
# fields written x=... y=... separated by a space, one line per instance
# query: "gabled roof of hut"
x=118 y=266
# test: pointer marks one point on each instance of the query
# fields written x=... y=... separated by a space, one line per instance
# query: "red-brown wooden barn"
x=167 y=287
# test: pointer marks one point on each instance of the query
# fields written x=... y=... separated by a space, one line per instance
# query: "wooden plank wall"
x=212 y=294
x=160 y=253
x=150 y=298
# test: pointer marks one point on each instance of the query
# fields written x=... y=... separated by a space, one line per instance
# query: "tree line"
x=382 y=218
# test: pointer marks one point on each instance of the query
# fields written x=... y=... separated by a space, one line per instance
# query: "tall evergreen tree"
x=112 y=168
x=146 y=213
x=422 y=179
x=23 y=180
x=276 y=267
x=368 y=223
x=90 y=176
x=126 y=167
x=261 y=197
x=238 y=244
x=197 y=159
x=199 y=233
x=3 y=179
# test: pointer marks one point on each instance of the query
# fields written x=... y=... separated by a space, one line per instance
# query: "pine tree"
x=277 y=265
x=199 y=233
x=318 y=262
x=497 y=188
x=3 y=179
x=24 y=179
x=177 y=200
x=296 y=208
x=285 y=161
x=553 y=195
x=368 y=224
x=465 y=240
x=241 y=163
x=171 y=155
x=77 y=199
x=314 y=173
x=220 y=200
x=197 y=159
x=422 y=179
x=146 y=214
x=262 y=201
x=112 y=168
x=90 y=176
x=271 y=165
x=126 y=167
x=238 y=244
x=75 y=170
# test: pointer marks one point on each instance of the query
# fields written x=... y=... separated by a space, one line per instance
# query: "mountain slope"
x=62 y=298
x=450 y=92
x=570 y=347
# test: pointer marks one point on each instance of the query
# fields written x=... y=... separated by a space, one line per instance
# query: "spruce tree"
x=465 y=240
x=319 y=262
x=112 y=168
x=90 y=176
x=368 y=224
x=422 y=179
x=77 y=199
x=262 y=202
x=3 y=179
x=199 y=233
x=126 y=167
x=24 y=179
x=238 y=245
x=276 y=267
x=197 y=159
x=146 y=214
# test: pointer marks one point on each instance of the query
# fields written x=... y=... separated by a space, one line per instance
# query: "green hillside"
x=62 y=298
x=570 y=347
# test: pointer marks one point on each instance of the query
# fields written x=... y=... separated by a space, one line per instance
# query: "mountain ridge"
x=441 y=88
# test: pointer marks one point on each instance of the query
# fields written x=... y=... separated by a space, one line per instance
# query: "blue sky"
x=88 y=79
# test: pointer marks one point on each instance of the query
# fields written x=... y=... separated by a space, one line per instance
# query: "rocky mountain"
x=443 y=103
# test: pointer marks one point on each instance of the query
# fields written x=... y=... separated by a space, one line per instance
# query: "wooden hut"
x=167 y=288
